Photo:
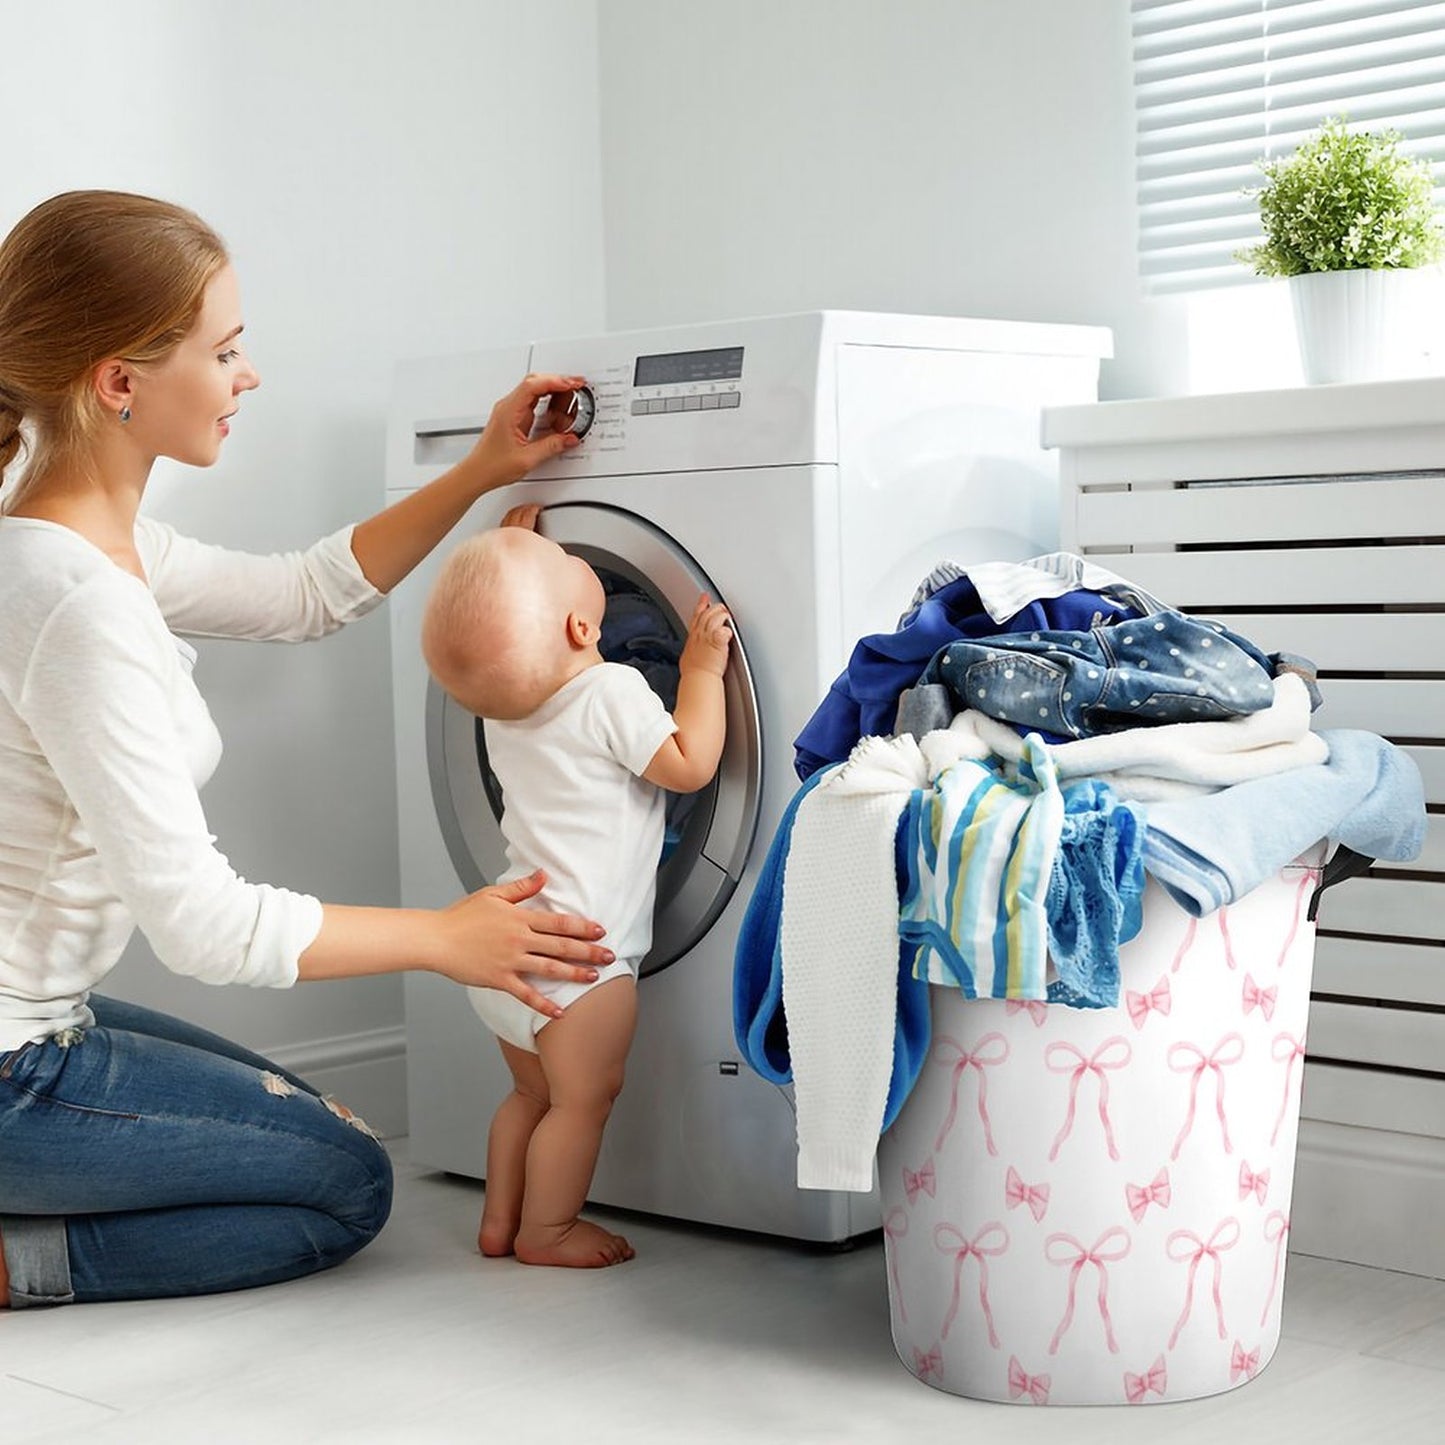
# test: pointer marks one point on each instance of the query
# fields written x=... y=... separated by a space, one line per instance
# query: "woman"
x=139 y=1156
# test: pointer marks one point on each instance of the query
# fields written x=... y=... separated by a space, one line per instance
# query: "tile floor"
x=704 y=1338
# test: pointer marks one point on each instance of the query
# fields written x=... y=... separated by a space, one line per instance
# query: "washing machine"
x=808 y=471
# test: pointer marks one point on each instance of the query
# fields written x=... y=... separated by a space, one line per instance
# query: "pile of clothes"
x=984 y=790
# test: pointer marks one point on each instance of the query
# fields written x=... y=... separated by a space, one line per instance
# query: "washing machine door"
x=652 y=585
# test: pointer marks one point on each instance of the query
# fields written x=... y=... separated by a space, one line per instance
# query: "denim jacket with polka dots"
x=1164 y=668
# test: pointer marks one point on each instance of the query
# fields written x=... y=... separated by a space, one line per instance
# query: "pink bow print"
x=997 y=1052
x=1187 y=1058
x=1241 y=1363
x=924 y=1181
x=1154 y=1381
x=1307 y=881
x=1225 y=1236
x=1016 y=1192
x=1261 y=998
x=895 y=1226
x=1186 y=943
x=1076 y=1258
x=1037 y=1009
x=1285 y=1050
x=1113 y=1053
x=1276 y=1231
x=949 y=1240
x=929 y=1364
x=1157 y=1000
x=1140 y=1196
x=1249 y=1182
x=1021 y=1383
x=1224 y=934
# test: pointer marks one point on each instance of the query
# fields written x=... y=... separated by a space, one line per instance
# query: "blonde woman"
x=139 y=1156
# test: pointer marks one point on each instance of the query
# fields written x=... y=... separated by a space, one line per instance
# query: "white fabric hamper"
x=1091 y=1207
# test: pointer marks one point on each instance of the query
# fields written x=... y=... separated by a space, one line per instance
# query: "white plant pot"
x=1351 y=325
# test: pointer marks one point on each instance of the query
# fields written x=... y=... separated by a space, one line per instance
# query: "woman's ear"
x=112 y=383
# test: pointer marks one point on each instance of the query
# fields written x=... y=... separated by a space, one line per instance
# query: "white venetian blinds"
x=1220 y=83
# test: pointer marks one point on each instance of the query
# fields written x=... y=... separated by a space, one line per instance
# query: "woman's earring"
x=124 y=414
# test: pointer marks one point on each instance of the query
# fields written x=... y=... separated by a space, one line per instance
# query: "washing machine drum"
x=651 y=585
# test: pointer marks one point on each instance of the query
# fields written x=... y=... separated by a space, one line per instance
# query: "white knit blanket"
x=839 y=941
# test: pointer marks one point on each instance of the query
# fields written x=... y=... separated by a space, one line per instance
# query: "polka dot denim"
x=1164 y=668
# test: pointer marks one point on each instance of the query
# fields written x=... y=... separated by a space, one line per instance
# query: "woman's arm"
x=484 y=940
x=390 y=544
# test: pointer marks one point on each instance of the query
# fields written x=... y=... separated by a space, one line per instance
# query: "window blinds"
x=1218 y=84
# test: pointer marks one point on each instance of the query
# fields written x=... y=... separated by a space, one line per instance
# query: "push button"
x=730 y=398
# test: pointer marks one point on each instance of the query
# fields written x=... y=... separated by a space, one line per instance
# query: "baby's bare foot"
x=496 y=1236
x=578 y=1245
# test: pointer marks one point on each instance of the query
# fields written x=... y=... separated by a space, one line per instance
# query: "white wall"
x=970 y=157
x=386 y=179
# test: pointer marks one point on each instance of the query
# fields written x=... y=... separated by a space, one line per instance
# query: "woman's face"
x=183 y=406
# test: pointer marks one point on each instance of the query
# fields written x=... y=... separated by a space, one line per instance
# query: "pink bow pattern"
x=925 y=1181
x=1141 y=1005
x=1076 y=1257
x=1113 y=1053
x=1224 y=934
x=1307 y=881
x=1261 y=998
x=1196 y=1250
x=1250 y=1182
x=1016 y=1192
x=1285 y=1050
x=1140 y=1196
x=1188 y=1058
x=895 y=1226
x=1021 y=1383
x=1276 y=1232
x=990 y=1241
x=1036 y=1008
x=929 y=1364
x=990 y=1051
x=1154 y=1381
x=1241 y=1363
x=1185 y=944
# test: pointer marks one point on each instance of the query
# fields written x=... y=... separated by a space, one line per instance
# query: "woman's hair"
x=85 y=276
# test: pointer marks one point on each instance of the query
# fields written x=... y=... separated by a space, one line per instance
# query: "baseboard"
x=1370 y=1196
x=365 y=1071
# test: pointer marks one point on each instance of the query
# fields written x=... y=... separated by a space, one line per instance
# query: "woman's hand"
x=505 y=451
x=489 y=942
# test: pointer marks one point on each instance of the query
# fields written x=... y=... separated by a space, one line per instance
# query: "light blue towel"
x=1209 y=851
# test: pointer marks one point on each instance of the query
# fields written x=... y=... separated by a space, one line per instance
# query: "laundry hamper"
x=1091 y=1207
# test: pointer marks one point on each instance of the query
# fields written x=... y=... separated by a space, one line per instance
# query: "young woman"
x=139 y=1156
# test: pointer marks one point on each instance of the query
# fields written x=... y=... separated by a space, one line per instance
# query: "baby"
x=582 y=749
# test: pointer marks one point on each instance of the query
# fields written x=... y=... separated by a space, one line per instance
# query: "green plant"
x=1345 y=202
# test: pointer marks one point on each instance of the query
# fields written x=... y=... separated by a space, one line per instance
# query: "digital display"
x=677 y=368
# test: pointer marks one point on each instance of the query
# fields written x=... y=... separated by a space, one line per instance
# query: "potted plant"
x=1345 y=217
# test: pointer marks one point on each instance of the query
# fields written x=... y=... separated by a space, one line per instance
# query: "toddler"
x=583 y=749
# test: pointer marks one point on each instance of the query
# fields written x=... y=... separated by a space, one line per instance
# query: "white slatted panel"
x=1220 y=83
x=1368 y=968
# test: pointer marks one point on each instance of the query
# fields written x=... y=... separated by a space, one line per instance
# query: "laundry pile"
x=984 y=791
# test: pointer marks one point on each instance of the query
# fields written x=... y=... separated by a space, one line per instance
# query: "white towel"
x=839 y=941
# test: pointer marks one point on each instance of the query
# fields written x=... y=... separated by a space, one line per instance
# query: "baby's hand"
x=708 y=635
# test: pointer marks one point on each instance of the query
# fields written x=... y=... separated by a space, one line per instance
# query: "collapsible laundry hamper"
x=1091 y=1207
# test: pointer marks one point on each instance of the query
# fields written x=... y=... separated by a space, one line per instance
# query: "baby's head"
x=511 y=617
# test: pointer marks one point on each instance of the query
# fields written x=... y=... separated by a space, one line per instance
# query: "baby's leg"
x=582 y=1055
x=512 y=1125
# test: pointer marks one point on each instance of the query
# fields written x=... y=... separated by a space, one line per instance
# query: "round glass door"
x=651 y=586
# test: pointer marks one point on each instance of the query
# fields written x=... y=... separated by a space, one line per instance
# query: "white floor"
x=705 y=1337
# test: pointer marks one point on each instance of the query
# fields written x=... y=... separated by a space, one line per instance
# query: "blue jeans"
x=144 y=1157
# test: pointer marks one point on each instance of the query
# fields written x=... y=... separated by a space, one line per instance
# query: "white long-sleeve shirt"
x=104 y=744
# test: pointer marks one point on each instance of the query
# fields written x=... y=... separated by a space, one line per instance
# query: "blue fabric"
x=149 y=1158
x=1209 y=851
x=863 y=700
x=759 y=1024
x=1164 y=668
x=1095 y=896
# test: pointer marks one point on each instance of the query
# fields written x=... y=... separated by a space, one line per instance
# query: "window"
x=1218 y=84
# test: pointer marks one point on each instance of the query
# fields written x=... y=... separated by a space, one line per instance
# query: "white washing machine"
x=809 y=471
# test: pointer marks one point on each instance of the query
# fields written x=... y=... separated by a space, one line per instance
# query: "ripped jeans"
x=145 y=1157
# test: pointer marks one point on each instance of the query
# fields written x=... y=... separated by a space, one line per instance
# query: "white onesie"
x=574 y=803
